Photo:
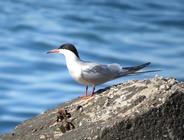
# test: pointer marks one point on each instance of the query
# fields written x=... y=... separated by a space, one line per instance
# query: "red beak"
x=53 y=51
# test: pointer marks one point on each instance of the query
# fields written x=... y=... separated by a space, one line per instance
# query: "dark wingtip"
x=148 y=63
x=136 y=68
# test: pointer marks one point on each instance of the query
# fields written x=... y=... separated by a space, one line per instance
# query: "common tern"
x=89 y=73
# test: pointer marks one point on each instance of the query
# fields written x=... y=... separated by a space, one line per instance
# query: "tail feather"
x=141 y=72
x=136 y=68
x=130 y=71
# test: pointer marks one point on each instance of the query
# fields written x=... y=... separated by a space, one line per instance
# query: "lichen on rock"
x=136 y=109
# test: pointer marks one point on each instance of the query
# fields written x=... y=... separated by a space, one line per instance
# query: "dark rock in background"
x=149 y=109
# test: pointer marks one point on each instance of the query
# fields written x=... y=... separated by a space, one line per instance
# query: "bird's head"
x=65 y=49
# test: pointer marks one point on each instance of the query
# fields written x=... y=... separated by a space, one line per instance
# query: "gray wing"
x=97 y=73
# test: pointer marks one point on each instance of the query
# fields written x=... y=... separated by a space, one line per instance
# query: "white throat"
x=73 y=63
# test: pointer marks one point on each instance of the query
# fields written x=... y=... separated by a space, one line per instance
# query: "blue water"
x=118 y=31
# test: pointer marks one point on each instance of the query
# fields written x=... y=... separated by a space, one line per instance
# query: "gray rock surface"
x=135 y=110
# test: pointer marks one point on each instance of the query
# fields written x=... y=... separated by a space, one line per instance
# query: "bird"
x=89 y=73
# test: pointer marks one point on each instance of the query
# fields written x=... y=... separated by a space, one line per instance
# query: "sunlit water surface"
x=125 y=32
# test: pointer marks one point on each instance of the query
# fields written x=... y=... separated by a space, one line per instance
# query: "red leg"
x=91 y=95
x=86 y=94
x=92 y=92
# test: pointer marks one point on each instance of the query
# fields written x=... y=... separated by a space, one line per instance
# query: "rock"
x=42 y=137
x=148 y=109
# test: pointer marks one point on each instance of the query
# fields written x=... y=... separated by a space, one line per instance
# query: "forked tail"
x=135 y=70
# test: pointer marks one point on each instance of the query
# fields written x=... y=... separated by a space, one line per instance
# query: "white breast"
x=74 y=66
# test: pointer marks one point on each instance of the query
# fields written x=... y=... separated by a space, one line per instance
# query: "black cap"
x=70 y=47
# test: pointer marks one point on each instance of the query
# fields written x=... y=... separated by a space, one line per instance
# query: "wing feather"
x=98 y=73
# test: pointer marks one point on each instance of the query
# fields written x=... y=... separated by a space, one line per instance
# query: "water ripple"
x=124 y=32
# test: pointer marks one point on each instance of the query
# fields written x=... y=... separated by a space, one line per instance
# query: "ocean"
x=124 y=32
